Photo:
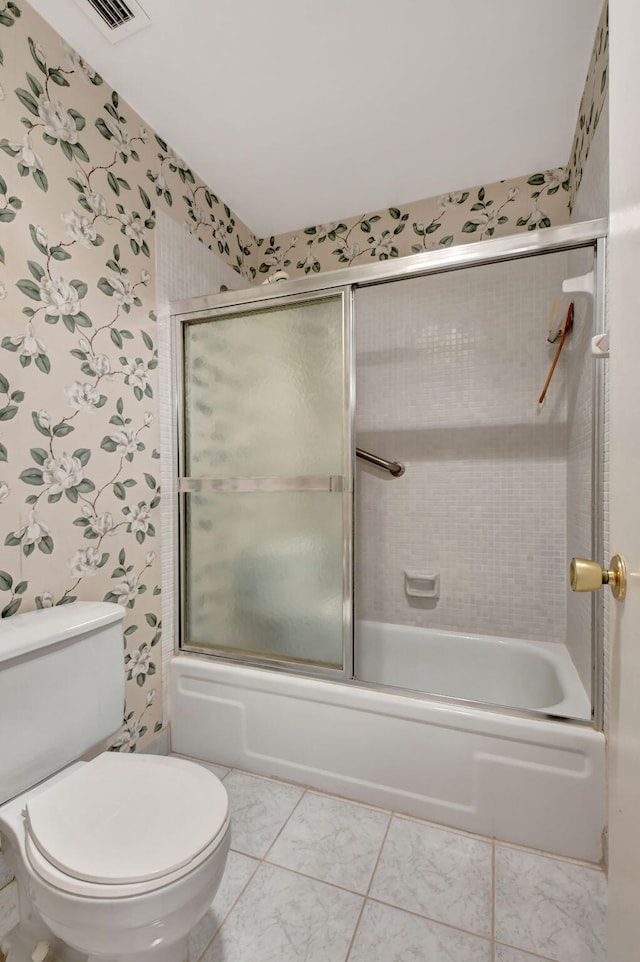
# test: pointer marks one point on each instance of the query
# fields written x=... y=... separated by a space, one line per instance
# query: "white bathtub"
x=495 y=671
x=534 y=782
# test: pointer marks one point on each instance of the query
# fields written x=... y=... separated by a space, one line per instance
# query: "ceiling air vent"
x=115 y=19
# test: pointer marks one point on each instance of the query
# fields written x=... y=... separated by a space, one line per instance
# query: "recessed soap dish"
x=419 y=584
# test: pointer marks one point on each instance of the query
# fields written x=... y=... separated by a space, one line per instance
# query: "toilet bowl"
x=118 y=858
x=121 y=856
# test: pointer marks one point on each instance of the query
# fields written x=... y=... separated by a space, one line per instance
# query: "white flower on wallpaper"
x=34 y=533
x=79 y=228
x=74 y=63
x=27 y=157
x=79 y=495
x=85 y=562
x=27 y=345
x=84 y=396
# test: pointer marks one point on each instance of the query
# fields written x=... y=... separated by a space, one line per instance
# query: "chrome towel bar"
x=393 y=467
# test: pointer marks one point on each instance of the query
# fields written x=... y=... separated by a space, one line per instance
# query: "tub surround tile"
x=553 y=908
x=8 y=908
x=332 y=840
x=386 y=934
x=284 y=917
x=238 y=870
x=436 y=873
x=259 y=809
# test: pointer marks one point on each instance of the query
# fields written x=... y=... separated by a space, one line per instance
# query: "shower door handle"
x=587 y=575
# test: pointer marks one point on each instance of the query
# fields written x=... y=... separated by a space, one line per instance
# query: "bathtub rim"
x=552 y=653
x=440 y=702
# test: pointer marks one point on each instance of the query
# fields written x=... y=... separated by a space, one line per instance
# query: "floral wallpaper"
x=81 y=177
x=81 y=180
x=593 y=100
x=525 y=203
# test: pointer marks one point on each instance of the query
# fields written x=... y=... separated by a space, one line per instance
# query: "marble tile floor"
x=316 y=878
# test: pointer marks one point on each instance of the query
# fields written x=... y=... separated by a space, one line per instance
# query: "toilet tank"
x=61 y=688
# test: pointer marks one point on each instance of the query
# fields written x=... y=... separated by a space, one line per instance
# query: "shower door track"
x=583 y=234
x=567 y=237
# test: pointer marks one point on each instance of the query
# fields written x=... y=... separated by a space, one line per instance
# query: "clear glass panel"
x=264 y=574
x=264 y=393
x=461 y=564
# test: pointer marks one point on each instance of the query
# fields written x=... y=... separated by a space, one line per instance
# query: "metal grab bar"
x=393 y=467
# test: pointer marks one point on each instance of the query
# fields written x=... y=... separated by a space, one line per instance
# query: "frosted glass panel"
x=264 y=393
x=264 y=574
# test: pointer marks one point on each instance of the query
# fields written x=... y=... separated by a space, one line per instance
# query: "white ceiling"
x=300 y=112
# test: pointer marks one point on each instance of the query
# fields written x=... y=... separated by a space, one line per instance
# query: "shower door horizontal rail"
x=320 y=482
x=393 y=467
x=511 y=247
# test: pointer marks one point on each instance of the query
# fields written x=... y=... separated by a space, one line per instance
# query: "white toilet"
x=118 y=858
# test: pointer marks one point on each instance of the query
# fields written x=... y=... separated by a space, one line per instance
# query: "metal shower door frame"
x=588 y=234
x=342 y=485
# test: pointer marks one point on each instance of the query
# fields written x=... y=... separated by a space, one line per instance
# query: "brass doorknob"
x=586 y=575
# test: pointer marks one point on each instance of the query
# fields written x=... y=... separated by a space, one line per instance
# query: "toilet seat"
x=125 y=824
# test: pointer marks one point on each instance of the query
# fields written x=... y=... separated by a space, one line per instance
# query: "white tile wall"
x=450 y=368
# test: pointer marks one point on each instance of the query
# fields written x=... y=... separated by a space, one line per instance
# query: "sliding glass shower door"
x=266 y=482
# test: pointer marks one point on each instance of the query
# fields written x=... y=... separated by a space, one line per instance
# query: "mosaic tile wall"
x=449 y=373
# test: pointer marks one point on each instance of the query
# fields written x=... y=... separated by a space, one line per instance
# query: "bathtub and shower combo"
x=375 y=519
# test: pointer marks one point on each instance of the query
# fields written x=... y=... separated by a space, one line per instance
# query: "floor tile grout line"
x=313 y=878
x=228 y=912
x=282 y=828
x=260 y=860
x=534 y=956
x=366 y=894
x=429 y=918
x=493 y=893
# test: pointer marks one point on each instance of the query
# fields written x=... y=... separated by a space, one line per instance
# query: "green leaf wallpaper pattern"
x=80 y=179
x=531 y=202
x=592 y=103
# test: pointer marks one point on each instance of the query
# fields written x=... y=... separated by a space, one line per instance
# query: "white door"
x=624 y=319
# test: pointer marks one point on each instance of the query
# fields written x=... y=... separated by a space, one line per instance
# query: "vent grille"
x=115 y=13
x=115 y=19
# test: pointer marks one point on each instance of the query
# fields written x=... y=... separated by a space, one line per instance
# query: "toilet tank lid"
x=24 y=633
